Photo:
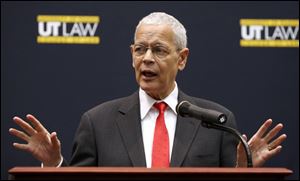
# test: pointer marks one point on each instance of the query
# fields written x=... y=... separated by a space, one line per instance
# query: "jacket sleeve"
x=84 y=151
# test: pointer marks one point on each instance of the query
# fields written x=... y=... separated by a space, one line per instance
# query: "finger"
x=24 y=125
x=55 y=141
x=19 y=134
x=261 y=131
x=275 y=151
x=23 y=147
x=277 y=141
x=273 y=132
x=36 y=123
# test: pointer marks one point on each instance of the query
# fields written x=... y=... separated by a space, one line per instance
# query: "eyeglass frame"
x=165 y=51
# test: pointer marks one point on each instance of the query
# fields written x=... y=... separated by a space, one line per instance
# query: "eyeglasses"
x=157 y=51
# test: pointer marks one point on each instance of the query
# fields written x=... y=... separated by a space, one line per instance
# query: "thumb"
x=240 y=145
x=54 y=140
x=245 y=137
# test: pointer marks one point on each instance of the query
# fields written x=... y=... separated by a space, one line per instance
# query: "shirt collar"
x=146 y=102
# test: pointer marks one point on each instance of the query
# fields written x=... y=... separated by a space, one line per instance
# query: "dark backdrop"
x=59 y=82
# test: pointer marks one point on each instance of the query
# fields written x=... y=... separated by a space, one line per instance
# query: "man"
x=144 y=129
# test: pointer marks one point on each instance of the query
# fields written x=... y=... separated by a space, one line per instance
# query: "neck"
x=160 y=95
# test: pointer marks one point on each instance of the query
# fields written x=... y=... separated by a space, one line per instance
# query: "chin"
x=149 y=86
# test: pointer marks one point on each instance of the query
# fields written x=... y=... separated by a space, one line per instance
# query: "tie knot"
x=161 y=106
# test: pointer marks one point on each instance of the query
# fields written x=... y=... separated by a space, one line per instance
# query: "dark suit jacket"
x=110 y=135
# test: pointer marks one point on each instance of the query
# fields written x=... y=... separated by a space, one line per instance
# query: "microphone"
x=186 y=109
x=212 y=119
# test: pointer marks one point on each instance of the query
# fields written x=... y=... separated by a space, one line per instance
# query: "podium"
x=138 y=173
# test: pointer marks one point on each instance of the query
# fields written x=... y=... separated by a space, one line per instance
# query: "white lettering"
x=267 y=37
x=254 y=32
x=52 y=28
x=61 y=29
x=75 y=30
x=88 y=29
x=277 y=33
x=64 y=30
x=290 y=33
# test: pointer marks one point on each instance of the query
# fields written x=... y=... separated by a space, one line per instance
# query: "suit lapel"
x=129 y=125
x=186 y=129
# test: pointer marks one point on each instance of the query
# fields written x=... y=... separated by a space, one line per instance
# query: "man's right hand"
x=40 y=143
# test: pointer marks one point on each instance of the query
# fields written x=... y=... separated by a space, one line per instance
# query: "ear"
x=183 y=55
x=131 y=51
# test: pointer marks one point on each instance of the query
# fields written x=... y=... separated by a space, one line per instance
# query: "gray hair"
x=161 y=18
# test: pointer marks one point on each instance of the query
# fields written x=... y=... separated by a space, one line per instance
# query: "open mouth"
x=148 y=74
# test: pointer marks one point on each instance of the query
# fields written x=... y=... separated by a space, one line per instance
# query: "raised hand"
x=40 y=143
x=263 y=145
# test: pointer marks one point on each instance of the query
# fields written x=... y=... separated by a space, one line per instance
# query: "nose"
x=148 y=57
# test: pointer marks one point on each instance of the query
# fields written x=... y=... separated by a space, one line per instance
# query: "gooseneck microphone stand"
x=234 y=132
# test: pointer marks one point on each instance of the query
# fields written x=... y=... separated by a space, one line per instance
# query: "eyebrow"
x=152 y=44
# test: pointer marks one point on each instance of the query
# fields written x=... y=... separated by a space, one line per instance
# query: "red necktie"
x=160 y=149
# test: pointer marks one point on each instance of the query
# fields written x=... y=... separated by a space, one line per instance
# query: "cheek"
x=172 y=74
x=168 y=72
x=171 y=67
x=135 y=64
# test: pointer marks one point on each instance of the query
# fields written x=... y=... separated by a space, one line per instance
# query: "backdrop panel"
x=59 y=81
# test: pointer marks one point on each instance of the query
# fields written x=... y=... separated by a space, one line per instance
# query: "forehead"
x=154 y=34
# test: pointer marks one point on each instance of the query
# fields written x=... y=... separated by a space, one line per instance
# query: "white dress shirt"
x=148 y=118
